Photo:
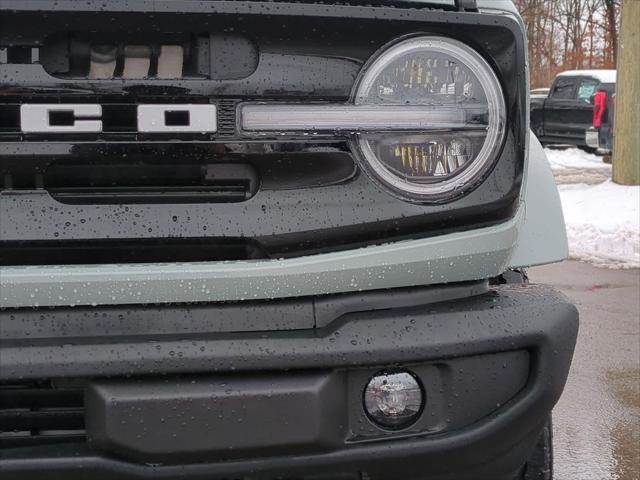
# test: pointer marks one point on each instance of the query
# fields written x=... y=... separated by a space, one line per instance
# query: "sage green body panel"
x=506 y=5
x=535 y=235
x=542 y=235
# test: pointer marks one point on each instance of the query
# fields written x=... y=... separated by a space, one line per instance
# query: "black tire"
x=514 y=276
x=540 y=465
x=594 y=151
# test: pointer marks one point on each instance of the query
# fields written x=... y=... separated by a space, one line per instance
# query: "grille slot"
x=40 y=414
x=149 y=183
x=129 y=250
x=100 y=55
x=76 y=56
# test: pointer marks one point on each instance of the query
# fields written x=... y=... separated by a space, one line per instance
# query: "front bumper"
x=287 y=403
x=592 y=139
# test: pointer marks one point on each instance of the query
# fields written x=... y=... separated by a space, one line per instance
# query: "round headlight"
x=464 y=117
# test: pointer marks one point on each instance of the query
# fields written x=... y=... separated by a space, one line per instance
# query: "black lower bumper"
x=288 y=403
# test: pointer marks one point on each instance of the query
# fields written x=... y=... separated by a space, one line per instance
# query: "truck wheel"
x=540 y=465
x=516 y=275
x=589 y=150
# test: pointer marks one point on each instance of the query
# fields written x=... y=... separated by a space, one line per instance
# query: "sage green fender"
x=542 y=235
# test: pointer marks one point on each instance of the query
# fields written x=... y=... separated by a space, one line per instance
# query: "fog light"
x=393 y=400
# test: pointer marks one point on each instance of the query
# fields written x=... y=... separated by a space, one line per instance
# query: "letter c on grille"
x=177 y=118
x=37 y=118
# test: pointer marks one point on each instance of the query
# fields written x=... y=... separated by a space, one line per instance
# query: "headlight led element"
x=427 y=118
x=455 y=85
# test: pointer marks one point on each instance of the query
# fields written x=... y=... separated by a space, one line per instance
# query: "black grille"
x=127 y=194
x=40 y=414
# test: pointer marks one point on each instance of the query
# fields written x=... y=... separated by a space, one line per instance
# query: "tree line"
x=569 y=35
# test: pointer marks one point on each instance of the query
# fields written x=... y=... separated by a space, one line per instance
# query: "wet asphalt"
x=597 y=421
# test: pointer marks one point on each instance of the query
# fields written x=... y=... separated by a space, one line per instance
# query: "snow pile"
x=603 y=219
x=603 y=223
x=575 y=159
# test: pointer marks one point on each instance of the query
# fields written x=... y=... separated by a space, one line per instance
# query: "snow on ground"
x=603 y=220
x=573 y=158
x=603 y=223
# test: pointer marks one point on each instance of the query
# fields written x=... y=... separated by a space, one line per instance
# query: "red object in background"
x=600 y=102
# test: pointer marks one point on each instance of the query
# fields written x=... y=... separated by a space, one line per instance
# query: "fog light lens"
x=393 y=400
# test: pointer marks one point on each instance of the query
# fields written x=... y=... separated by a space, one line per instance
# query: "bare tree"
x=569 y=34
x=613 y=10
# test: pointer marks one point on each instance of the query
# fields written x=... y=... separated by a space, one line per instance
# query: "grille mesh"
x=40 y=414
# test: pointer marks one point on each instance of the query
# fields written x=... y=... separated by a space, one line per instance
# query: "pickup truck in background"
x=540 y=92
x=579 y=100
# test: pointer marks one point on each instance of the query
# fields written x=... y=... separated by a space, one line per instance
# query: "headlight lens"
x=463 y=96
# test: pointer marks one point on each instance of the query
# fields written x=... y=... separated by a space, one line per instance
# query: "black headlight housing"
x=464 y=117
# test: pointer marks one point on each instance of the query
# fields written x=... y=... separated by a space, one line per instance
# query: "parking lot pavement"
x=597 y=422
